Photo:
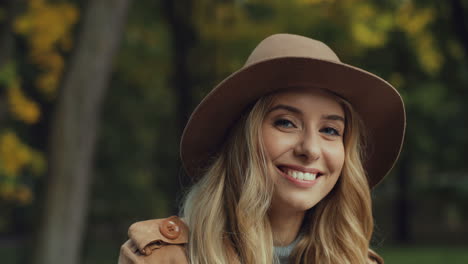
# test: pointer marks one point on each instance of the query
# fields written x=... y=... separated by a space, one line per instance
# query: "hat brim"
x=375 y=100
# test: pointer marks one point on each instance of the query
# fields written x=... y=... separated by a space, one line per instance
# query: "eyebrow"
x=285 y=107
x=334 y=117
x=298 y=111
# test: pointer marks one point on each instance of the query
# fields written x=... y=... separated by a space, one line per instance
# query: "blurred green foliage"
x=41 y=33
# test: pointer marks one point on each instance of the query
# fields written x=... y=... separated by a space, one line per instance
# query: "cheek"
x=336 y=156
x=276 y=143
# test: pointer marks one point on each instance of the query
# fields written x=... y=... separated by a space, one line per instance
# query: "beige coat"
x=156 y=241
x=163 y=241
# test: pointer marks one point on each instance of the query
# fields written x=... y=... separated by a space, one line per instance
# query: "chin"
x=303 y=206
x=294 y=202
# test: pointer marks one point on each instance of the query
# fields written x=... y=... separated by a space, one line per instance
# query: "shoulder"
x=156 y=241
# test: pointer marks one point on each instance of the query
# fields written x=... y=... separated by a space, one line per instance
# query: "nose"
x=308 y=147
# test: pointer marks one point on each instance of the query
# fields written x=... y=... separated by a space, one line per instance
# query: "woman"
x=284 y=153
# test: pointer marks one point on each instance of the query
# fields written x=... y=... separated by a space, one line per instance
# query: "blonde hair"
x=226 y=210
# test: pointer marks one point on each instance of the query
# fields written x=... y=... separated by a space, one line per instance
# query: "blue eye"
x=330 y=131
x=284 y=123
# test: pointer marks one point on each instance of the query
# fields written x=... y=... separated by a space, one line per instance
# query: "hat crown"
x=289 y=45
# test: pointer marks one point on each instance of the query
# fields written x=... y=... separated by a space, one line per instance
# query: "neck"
x=285 y=225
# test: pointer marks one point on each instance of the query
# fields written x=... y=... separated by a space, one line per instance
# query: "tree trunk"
x=459 y=23
x=73 y=132
x=6 y=34
x=183 y=38
x=179 y=17
x=403 y=202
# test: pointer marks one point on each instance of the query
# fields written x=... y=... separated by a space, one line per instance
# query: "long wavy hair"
x=227 y=209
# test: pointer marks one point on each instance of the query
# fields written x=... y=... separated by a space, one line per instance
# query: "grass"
x=426 y=255
x=10 y=254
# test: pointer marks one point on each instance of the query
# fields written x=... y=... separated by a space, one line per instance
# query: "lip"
x=299 y=168
x=299 y=183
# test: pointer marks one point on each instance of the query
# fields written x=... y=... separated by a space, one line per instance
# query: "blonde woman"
x=284 y=153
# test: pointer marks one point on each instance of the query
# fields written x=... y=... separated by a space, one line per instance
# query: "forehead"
x=309 y=99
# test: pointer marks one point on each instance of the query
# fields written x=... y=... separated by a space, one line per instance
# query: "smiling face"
x=303 y=138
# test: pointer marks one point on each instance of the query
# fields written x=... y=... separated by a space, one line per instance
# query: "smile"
x=300 y=176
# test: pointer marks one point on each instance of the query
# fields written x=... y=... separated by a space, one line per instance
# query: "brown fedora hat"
x=283 y=61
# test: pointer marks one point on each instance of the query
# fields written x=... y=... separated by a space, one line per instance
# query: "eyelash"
x=334 y=131
x=284 y=123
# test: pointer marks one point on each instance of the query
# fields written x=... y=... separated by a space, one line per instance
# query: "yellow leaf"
x=47 y=27
x=369 y=26
x=397 y=80
x=14 y=155
x=7 y=191
x=413 y=20
x=429 y=56
x=47 y=83
x=20 y=106
x=314 y=2
x=366 y=36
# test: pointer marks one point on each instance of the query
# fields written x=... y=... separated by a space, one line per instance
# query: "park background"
x=94 y=96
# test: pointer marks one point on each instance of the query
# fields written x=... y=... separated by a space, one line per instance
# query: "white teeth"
x=294 y=174
x=302 y=175
x=308 y=177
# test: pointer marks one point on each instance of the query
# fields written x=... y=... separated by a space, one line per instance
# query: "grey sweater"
x=283 y=252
